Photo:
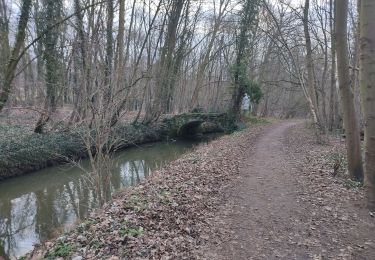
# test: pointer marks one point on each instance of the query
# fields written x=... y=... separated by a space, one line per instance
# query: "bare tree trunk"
x=120 y=38
x=131 y=30
x=367 y=79
x=354 y=64
x=147 y=41
x=14 y=58
x=119 y=56
x=39 y=54
x=333 y=106
x=80 y=88
x=119 y=61
x=322 y=86
x=109 y=52
x=166 y=61
x=185 y=39
x=294 y=63
x=310 y=67
x=206 y=59
x=346 y=92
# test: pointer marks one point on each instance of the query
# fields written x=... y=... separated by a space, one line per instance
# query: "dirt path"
x=266 y=217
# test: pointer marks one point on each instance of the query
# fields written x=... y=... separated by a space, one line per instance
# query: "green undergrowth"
x=61 y=250
x=249 y=120
x=256 y=120
x=131 y=232
x=350 y=184
x=22 y=151
x=338 y=164
x=337 y=161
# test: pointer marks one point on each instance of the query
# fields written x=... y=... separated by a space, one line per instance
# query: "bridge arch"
x=191 y=124
x=190 y=128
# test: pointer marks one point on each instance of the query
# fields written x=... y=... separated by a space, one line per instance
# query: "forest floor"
x=267 y=192
x=286 y=204
x=27 y=117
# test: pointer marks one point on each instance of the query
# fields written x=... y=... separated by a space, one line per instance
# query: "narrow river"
x=40 y=206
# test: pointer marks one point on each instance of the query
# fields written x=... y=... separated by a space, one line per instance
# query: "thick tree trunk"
x=120 y=38
x=166 y=63
x=81 y=87
x=353 y=141
x=51 y=57
x=4 y=38
x=14 y=57
x=119 y=61
x=249 y=13
x=367 y=79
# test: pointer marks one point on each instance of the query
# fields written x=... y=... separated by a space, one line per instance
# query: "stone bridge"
x=190 y=124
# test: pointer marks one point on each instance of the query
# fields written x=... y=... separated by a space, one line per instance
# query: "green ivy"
x=252 y=88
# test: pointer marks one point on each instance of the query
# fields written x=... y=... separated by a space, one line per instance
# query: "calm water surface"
x=39 y=206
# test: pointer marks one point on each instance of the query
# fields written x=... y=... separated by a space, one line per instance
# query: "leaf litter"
x=168 y=216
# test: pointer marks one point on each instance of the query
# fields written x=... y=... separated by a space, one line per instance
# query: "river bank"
x=268 y=191
x=168 y=215
x=22 y=151
x=37 y=207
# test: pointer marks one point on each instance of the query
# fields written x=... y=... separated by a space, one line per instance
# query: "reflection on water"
x=37 y=207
